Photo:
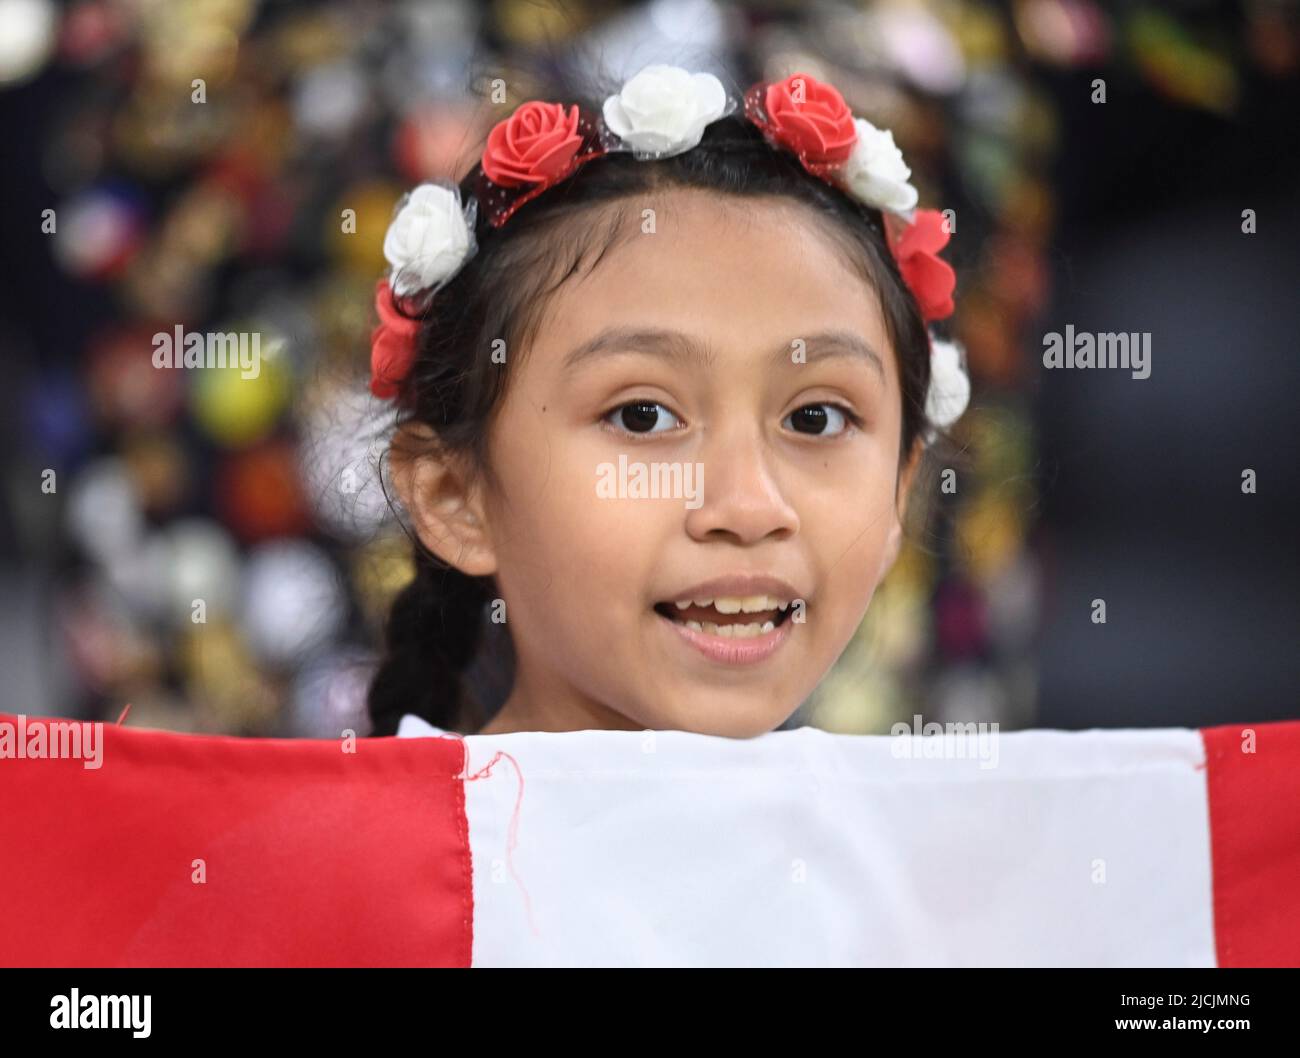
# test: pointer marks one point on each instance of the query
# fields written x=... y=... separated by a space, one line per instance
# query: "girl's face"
x=696 y=467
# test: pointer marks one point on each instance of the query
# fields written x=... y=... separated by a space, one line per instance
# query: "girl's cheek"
x=852 y=529
x=566 y=517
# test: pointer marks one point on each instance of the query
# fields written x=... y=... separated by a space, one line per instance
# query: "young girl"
x=663 y=380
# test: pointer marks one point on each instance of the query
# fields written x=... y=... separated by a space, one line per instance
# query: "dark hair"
x=437 y=622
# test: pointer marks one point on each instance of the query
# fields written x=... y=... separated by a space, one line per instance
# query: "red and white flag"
x=1168 y=847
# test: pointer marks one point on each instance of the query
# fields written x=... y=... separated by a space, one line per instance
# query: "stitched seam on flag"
x=465 y=855
x=1220 y=869
x=512 y=839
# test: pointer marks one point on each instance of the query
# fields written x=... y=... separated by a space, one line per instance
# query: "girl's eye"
x=643 y=416
x=826 y=419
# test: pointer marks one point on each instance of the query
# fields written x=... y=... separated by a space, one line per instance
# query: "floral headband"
x=661 y=112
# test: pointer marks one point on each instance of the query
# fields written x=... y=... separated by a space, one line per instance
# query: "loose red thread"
x=512 y=838
x=124 y=712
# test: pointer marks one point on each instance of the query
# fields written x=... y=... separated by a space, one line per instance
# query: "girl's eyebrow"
x=683 y=349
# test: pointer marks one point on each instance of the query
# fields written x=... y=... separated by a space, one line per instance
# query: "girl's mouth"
x=734 y=617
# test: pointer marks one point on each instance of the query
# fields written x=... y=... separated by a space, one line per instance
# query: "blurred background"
x=200 y=157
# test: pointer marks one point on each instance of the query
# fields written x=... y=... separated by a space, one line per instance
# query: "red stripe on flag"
x=313 y=856
x=1255 y=842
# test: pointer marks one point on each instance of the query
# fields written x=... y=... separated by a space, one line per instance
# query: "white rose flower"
x=663 y=109
x=876 y=173
x=949 y=385
x=429 y=240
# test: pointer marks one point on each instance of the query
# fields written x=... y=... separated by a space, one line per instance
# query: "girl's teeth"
x=747 y=631
x=736 y=604
x=745 y=604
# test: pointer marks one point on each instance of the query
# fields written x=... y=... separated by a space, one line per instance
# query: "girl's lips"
x=732 y=651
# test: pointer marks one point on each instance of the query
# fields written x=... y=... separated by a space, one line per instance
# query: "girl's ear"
x=905 y=480
x=444 y=499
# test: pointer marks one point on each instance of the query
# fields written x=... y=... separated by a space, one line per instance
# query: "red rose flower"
x=915 y=248
x=392 y=345
x=534 y=145
x=811 y=119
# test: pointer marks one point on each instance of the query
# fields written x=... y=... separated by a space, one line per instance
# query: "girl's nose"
x=742 y=499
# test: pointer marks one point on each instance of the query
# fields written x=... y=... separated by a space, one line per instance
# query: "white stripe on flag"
x=806 y=848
